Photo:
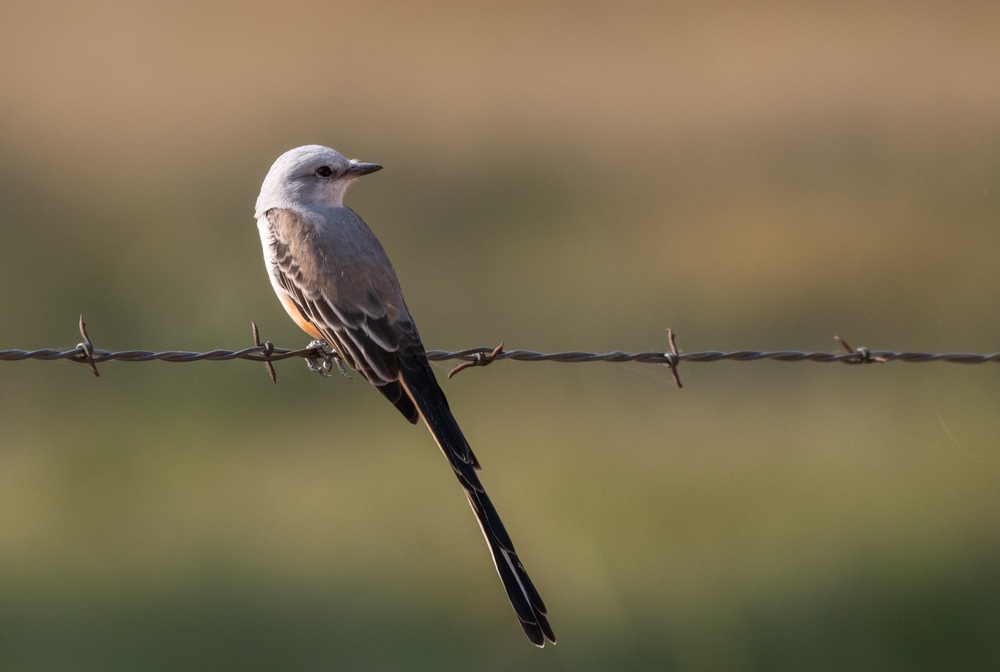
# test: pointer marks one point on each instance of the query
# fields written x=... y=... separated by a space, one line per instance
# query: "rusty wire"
x=266 y=352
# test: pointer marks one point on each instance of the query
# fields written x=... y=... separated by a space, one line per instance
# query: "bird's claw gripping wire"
x=323 y=361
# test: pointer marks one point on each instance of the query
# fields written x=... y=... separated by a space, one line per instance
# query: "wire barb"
x=267 y=347
x=673 y=358
x=478 y=359
x=863 y=353
x=87 y=348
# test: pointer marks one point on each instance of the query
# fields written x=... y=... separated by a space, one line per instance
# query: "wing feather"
x=353 y=319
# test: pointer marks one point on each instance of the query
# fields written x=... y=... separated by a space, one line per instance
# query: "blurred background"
x=558 y=176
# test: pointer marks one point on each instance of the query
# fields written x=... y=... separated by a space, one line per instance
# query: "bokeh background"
x=559 y=176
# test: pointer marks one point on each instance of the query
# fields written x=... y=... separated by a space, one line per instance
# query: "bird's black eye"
x=324 y=171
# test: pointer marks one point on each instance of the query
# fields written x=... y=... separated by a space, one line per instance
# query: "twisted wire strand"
x=860 y=356
x=266 y=353
x=322 y=360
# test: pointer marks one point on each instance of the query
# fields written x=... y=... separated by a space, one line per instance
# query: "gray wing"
x=350 y=294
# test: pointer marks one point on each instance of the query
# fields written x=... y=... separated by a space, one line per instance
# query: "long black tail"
x=419 y=382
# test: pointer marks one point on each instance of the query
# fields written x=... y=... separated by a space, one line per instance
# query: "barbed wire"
x=321 y=359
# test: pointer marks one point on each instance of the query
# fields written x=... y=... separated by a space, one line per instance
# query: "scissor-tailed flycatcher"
x=335 y=280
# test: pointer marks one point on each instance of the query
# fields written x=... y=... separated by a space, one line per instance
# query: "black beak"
x=357 y=168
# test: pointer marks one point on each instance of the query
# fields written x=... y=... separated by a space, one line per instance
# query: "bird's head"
x=310 y=176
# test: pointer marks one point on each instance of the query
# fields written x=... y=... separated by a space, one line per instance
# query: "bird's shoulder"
x=336 y=255
x=330 y=229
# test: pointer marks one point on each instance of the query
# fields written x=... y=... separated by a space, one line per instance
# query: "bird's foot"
x=324 y=360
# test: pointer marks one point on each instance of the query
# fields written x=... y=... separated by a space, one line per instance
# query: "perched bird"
x=336 y=282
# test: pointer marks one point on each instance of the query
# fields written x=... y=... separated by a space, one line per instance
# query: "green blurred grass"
x=560 y=180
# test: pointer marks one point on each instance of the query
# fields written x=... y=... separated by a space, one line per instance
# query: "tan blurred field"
x=559 y=176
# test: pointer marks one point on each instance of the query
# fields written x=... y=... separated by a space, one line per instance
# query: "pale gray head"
x=309 y=176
